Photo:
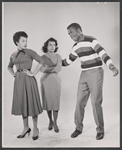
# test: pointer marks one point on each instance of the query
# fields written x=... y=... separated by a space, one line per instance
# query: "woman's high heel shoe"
x=56 y=129
x=50 y=127
x=35 y=137
x=22 y=136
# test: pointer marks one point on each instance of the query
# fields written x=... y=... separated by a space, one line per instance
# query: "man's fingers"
x=116 y=73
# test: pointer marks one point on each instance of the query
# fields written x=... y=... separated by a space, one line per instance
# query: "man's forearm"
x=64 y=63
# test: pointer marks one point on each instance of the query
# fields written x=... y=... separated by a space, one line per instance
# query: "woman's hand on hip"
x=27 y=72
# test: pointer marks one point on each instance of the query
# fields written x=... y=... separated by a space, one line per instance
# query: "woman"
x=26 y=99
x=50 y=82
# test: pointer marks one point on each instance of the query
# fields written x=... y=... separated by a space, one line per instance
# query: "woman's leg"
x=50 y=119
x=35 y=128
x=25 y=123
x=55 y=116
x=26 y=128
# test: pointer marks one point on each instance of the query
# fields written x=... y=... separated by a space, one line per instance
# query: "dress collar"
x=20 y=50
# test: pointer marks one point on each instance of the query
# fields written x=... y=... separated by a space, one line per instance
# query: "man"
x=91 y=54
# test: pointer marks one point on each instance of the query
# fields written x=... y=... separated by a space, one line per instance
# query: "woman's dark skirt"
x=26 y=98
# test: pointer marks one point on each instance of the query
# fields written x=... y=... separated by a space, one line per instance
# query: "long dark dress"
x=26 y=99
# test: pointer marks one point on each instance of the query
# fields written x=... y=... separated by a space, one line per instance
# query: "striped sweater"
x=90 y=53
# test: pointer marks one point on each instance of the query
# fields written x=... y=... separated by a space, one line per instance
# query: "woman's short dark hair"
x=44 y=48
x=17 y=36
x=75 y=25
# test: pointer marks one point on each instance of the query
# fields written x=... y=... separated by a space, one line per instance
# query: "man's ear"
x=79 y=30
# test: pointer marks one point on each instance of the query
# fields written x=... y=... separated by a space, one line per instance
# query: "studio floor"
x=12 y=126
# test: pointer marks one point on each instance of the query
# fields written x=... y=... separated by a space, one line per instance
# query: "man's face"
x=74 y=33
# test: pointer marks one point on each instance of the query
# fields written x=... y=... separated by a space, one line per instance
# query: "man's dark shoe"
x=75 y=133
x=99 y=136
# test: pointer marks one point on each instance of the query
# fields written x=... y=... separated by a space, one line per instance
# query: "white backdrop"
x=43 y=20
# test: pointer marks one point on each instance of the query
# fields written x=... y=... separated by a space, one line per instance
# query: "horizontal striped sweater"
x=90 y=53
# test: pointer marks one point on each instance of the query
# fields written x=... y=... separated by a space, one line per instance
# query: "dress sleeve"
x=59 y=65
x=11 y=64
x=35 y=56
x=56 y=69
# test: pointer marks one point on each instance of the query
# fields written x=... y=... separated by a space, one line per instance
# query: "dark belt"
x=20 y=70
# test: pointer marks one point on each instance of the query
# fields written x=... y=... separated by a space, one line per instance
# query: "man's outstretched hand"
x=113 y=69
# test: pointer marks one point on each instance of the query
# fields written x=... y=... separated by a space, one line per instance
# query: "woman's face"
x=22 y=44
x=51 y=46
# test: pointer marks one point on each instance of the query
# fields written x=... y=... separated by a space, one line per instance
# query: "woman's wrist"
x=33 y=74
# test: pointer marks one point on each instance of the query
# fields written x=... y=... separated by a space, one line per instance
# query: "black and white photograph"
x=60 y=74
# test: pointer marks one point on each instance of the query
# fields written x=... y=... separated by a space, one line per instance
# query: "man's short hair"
x=74 y=25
